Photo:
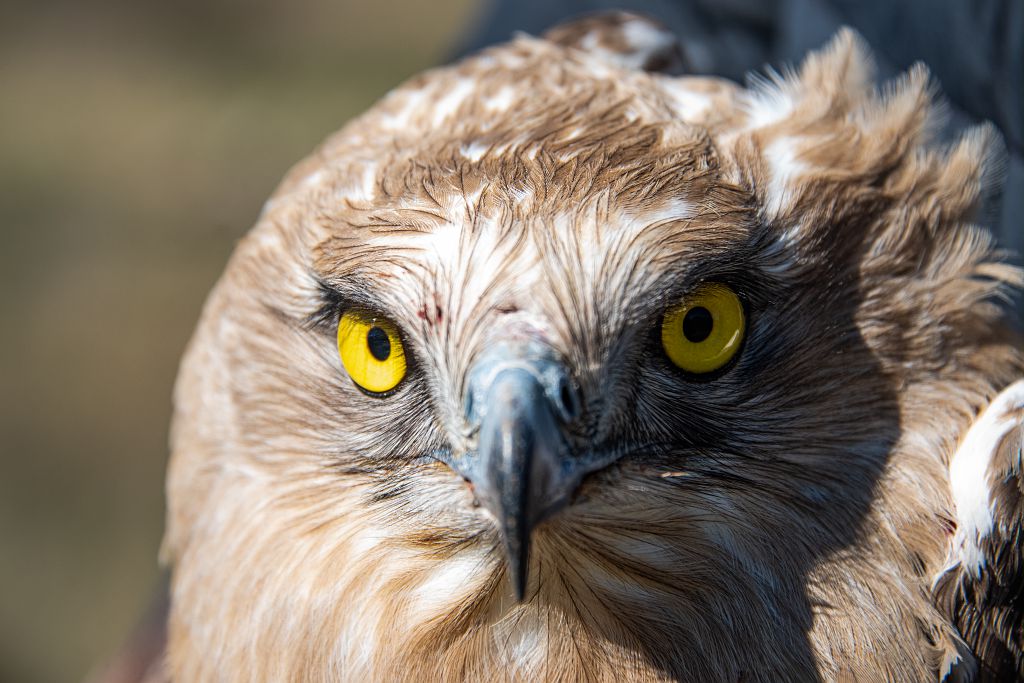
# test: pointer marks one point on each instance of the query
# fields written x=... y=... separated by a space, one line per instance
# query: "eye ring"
x=371 y=352
x=703 y=332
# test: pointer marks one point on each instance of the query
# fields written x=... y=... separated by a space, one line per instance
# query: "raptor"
x=553 y=366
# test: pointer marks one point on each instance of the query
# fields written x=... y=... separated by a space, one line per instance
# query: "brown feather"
x=781 y=522
x=987 y=607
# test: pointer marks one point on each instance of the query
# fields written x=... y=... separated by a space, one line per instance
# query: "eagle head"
x=549 y=366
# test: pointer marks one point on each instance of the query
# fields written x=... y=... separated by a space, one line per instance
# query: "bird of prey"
x=556 y=367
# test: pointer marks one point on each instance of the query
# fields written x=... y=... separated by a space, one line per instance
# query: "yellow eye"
x=371 y=351
x=705 y=331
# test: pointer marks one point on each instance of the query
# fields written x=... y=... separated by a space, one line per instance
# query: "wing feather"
x=981 y=589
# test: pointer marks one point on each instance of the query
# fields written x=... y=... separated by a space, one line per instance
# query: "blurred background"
x=138 y=142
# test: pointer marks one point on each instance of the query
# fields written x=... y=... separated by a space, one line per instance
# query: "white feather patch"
x=451 y=102
x=412 y=101
x=785 y=168
x=643 y=36
x=502 y=100
x=446 y=583
x=522 y=637
x=968 y=473
x=768 y=103
x=687 y=104
x=474 y=151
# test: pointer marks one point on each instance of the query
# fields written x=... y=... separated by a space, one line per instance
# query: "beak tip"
x=520 y=452
x=519 y=583
x=518 y=553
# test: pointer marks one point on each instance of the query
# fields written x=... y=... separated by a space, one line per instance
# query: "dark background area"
x=138 y=142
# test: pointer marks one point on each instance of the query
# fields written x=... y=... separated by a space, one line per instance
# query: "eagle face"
x=552 y=368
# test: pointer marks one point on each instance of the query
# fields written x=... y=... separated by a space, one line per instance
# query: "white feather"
x=968 y=473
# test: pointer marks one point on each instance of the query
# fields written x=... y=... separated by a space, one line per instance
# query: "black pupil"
x=380 y=345
x=697 y=324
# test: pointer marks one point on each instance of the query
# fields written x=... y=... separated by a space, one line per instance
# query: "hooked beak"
x=518 y=403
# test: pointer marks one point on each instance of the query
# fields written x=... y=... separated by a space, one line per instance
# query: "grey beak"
x=520 y=449
x=519 y=403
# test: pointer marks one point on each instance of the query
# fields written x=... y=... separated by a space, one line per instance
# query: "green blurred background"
x=137 y=144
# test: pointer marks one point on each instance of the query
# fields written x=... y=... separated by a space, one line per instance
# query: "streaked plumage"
x=789 y=518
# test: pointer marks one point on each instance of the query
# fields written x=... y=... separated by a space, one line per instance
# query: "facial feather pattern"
x=780 y=520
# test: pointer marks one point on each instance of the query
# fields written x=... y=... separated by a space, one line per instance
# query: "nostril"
x=568 y=401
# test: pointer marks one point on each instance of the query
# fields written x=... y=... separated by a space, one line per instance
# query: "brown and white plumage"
x=982 y=588
x=786 y=519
